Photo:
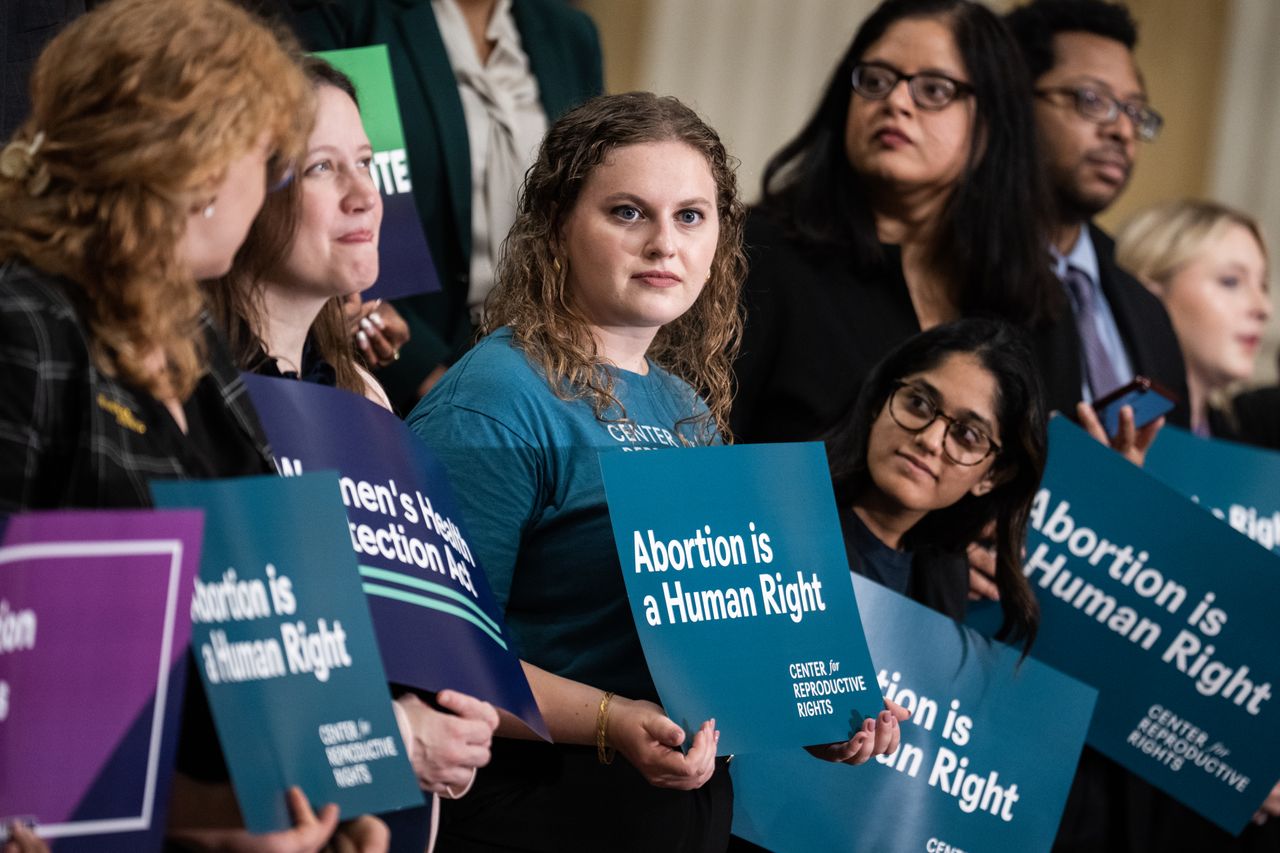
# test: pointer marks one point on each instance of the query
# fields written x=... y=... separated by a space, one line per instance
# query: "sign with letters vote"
x=736 y=572
x=405 y=265
x=1169 y=614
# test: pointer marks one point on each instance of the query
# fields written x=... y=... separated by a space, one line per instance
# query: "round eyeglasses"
x=930 y=91
x=914 y=410
x=1101 y=108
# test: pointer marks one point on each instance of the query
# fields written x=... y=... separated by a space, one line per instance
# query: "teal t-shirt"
x=525 y=466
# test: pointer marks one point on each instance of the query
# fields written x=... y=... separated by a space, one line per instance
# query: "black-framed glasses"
x=930 y=91
x=1101 y=108
x=914 y=409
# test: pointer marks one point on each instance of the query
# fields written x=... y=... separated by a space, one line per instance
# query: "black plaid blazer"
x=71 y=436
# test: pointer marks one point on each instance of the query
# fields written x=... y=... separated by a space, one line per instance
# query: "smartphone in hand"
x=1148 y=398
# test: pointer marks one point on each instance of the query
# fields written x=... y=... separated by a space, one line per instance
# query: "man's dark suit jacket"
x=1144 y=327
x=564 y=55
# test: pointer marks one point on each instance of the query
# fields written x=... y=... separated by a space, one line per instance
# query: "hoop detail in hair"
x=18 y=163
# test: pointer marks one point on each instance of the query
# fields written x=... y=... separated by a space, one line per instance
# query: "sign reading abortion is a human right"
x=739 y=586
x=1238 y=484
x=1170 y=614
x=94 y=624
x=283 y=641
x=405 y=265
x=985 y=760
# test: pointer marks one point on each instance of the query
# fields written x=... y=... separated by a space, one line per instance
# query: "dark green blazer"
x=564 y=54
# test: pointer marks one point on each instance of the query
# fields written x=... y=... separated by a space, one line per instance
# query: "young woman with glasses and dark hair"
x=947 y=433
x=896 y=208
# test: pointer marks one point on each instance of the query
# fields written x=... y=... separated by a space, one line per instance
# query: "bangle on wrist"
x=604 y=752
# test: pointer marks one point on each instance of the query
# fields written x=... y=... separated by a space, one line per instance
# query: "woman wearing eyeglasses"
x=947 y=433
x=912 y=197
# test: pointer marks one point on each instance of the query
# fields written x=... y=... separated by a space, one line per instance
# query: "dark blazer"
x=1144 y=328
x=564 y=54
x=815 y=326
x=72 y=436
x=1256 y=418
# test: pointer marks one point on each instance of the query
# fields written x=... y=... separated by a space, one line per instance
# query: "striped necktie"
x=1101 y=372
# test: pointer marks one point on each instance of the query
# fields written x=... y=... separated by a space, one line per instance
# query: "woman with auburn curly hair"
x=613 y=326
x=139 y=171
x=155 y=131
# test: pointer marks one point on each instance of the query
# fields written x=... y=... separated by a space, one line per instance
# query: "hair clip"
x=18 y=163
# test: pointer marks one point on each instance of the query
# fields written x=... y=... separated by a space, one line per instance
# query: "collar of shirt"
x=462 y=54
x=1083 y=256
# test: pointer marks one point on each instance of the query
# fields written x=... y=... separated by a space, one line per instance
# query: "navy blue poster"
x=437 y=622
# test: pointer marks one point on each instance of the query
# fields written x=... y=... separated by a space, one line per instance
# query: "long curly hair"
x=532 y=297
x=140 y=107
x=237 y=298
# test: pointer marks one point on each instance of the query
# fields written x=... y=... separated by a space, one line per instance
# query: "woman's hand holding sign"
x=877 y=736
x=651 y=741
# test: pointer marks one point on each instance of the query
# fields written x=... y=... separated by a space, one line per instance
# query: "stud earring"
x=207 y=213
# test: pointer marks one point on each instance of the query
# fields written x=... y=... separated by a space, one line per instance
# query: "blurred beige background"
x=755 y=68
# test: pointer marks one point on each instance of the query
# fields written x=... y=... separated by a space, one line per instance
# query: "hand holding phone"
x=1148 y=399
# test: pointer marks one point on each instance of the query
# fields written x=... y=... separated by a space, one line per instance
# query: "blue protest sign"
x=1238 y=484
x=985 y=761
x=94 y=626
x=736 y=572
x=284 y=645
x=437 y=622
x=1168 y=613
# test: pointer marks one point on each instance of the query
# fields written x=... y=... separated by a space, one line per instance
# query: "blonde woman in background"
x=1208 y=264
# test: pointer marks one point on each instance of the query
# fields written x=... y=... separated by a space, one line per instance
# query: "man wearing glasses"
x=1092 y=118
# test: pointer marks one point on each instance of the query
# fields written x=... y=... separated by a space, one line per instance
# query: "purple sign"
x=94 y=626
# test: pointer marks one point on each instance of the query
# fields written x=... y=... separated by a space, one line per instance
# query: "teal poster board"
x=738 y=581
x=984 y=764
x=1169 y=614
x=285 y=647
x=1238 y=484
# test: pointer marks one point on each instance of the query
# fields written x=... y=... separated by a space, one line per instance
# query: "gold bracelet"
x=604 y=752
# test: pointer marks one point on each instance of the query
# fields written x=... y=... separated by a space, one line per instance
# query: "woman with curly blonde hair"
x=612 y=327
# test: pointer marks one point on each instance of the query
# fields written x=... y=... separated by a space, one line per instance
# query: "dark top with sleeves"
x=564 y=55
x=1256 y=418
x=935 y=578
x=72 y=436
x=815 y=327
x=817 y=324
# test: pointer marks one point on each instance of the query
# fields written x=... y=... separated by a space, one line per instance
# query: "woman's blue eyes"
x=1228 y=281
x=631 y=213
